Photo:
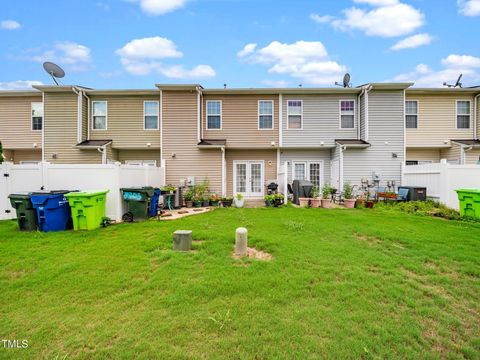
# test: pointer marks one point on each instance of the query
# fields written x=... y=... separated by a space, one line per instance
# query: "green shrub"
x=424 y=208
x=348 y=191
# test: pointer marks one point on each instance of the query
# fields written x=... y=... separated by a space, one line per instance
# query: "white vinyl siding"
x=265 y=114
x=37 y=116
x=347 y=114
x=150 y=115
x=463 y=114
x=99 y=115
x=294 y=114
x=411 y=114
x=214 y=115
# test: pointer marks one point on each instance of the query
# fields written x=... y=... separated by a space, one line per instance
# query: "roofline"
x=299 y=90
x=123 y=92
x=443 y=90
x=11 y=93
x=388 y=85
x=62 y=88
x=179 y=87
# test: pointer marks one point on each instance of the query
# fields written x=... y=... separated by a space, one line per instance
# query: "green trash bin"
x=469 y=202
x=138 y=203
x=26 y=213
x=88 y=208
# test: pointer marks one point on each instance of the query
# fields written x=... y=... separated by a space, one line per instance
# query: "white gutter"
x=88 y=114
x=404 y=134
x=475 y=117
x=369 y=87
x=79 y=114
x=340 y=180
x=359 y=113
x=161 y=128
x=224 y=173
x=43 y=128
x=280 y=120
x=199 y=114
x=463 y=150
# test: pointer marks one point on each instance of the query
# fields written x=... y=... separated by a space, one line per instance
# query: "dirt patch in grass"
x=370 y=240
x=256 y=254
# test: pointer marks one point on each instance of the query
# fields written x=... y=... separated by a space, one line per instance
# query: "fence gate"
x=5 y=209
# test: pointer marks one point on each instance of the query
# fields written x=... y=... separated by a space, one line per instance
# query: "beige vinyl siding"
x=292 y=155
x=8 y=155
x=437 y=120
x=60 y=128
x=16 y=123
x=125 y=122
x=478 y=118
x=240 y=121
x=180 y=138
x=135 y=154
x=112 y=154
x=423 y=155
x=27 y=155
x=472 y=156
x=269 y=158
x=452 y=154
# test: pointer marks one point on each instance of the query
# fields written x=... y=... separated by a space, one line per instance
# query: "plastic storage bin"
x=26 y=213
x=88 y=208
x=53 y=210
x=469 y=202
x=141 y=203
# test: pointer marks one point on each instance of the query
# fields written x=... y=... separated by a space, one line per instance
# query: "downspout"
x=464 y=149
x=79 y=114
x=224 y=173
x=161 y=128
x=475 y=117
x=43 y=129
x=359 y=113
x=340 y=180
x=199 y=114
x=88 y=114
x=103 y=150
x=368 y=89
x=280 y=120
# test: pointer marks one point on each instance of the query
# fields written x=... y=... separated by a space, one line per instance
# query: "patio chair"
x=402 y=194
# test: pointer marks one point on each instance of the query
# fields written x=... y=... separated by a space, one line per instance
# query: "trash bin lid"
x=475 y=191
x=86 y=193
x=20 y=195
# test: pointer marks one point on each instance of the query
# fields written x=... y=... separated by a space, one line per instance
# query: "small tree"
x=2 y=158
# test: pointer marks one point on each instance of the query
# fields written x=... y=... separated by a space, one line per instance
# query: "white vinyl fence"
x=442 y=179
x=46 y=176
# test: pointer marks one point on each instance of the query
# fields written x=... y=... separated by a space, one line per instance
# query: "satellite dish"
x=457 y=84
x=346 y=81
x=54 y=71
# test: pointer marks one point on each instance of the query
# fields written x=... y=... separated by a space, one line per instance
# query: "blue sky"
x=244 y=43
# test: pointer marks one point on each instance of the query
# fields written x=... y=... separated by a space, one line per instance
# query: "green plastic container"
x=26 y=213
x=469 y=202
x=88 y=208
x=138 y=203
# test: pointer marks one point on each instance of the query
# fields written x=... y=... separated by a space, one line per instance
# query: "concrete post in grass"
x=241 y=238
x=182 y=240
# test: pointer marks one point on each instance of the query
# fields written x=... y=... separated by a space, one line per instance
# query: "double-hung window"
x=294 y=114
x=463 y=114
x=214 y=115
x=37 y=116
x=99 y=115
x=411 y=114
x=347 y=114
x=265 y=114
x=150 y=115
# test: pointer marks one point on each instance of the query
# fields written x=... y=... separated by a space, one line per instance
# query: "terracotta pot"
x=303 y=201
x=326 y=203
x=315 y=203
x=189 y=204
x=349 y=203
x=369 y=204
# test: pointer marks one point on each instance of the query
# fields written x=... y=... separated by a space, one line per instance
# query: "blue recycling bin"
x=53 y=210
x=154 y=203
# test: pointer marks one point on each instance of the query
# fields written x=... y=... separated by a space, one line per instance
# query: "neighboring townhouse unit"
x=442 y=124
x=21 y=121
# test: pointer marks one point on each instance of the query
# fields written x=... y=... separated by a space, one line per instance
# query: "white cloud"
x=412 y=42
x=321 y=19
x=147 y=55
x=388 y=18
x=75 y=56
x=19 y=85
x=9 y=25
x=453 y=66
x=247 y=50
x=469 y=7
x=275 y=83
x=160 y=7
x=305 y=60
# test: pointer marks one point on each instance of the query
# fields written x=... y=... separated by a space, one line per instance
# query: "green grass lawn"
x=342 y=284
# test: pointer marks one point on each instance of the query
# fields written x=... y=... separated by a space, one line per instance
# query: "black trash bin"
x=415 y=193
x=26 y=213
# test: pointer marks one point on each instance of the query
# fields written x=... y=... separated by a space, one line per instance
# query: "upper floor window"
x=463 y=114
x=294 y=114
x=347 y=114
x=411 y=114
x=99 y=115
x=37 y=116
x=214 y=115
x=150 y=115
x=265 y=114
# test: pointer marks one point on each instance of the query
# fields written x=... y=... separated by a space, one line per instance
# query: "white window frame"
x=273 y=115
x=29 y=162
x=141 y=162
x=31 y=115
x=307 y=164
x=288 y=114
x=418 y=116
x=340 y=114
x=469 y=115
x=144 y=115
x=221 y=115
x=106 y=115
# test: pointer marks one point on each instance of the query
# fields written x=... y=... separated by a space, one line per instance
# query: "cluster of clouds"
x=305 y=61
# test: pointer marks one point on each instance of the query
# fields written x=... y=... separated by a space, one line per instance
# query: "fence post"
x=117 y=194
x=285 y=182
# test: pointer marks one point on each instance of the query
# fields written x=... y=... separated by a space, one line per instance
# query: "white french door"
x=248 y=178
x=308 y=170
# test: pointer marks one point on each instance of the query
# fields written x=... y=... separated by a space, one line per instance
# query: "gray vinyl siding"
x=362 y=117
x=386 y=124
x=84 y=118
x=321 y=121
x=307 y=155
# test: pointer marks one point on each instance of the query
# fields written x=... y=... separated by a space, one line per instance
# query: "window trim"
x=469 y=114
x=258 y=115
x=418 y=114
x=31 y=115
x=141 y=162
x=158 y=115
x=307 y=164
x=301 y=116
x=340 y=114
x=106 y=115
x=221 y=115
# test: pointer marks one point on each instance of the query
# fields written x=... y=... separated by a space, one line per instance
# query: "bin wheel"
x=127 y=217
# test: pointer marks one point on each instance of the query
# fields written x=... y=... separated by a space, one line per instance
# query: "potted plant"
x=197 y=201
x=348 y=200
x=2 y=158
x=214 y=200
x=169 y=189
x=269 y=200
x=315 y=197
x=326 y=196
x=368 y=201
x=188 y=198
x=227 y=201
x=279 y=199
x=239 y=201
x=205 y=201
